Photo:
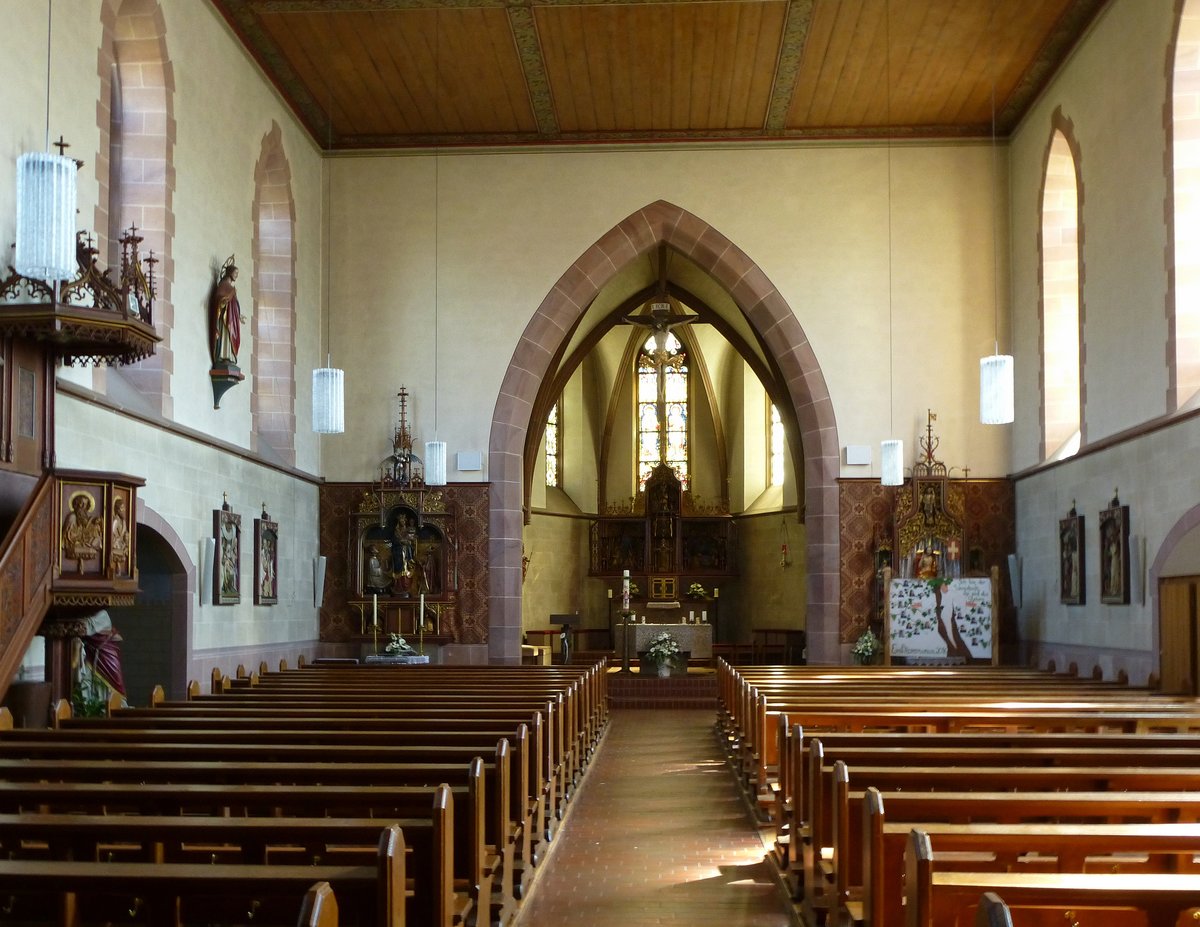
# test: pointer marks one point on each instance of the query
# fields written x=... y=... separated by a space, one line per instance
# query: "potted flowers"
x=697 y=591
x=663 y=652
x=866 y=648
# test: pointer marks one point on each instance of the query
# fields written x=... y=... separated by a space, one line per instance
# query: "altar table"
x=695 y=638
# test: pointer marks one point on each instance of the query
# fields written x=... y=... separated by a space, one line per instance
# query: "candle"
x=704 y=616
x=691 y=617
x=625 y=591
x=716 y=592
x=374 y=608
x=421 y=612
x=609 y=593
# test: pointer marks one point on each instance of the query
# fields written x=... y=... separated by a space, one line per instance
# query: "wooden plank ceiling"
x=414 y=73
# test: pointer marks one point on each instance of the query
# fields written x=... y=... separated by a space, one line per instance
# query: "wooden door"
x=1178 y=634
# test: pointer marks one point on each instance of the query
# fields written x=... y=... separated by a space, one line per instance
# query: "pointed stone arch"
x=783 y=338
x=273 y=287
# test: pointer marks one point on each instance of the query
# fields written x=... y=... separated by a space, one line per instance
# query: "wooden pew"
x=275 y=802
x=317 y=727
x=560 y=756
x=97 y=746
x=825 y=882
x=935 y=897
x=319 y=907
x=1059 y=847
x=992 y=912
x=58 y=891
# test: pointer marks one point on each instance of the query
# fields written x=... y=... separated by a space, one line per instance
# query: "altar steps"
x=697 y=689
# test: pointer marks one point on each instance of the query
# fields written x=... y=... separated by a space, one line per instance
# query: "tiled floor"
x=658 y=835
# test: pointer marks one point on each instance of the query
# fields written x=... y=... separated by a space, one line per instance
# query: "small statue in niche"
x=404 y=541
x=119 y=551
x=378 y=577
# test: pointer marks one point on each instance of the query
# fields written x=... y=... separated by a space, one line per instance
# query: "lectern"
x=568 y=623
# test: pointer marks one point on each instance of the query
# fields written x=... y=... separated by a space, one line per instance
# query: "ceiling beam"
x=787 y=68
x=533 y=66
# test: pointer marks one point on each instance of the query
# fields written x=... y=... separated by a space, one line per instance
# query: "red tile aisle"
x=658 y=835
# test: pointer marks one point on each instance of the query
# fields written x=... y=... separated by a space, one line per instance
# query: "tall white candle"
x=374 y=608
x=625 y=591
x=421 y=612
x=704 y=616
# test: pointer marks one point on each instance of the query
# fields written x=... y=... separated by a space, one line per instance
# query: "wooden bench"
x=1040 y=846
x=255 y=841
x=824 y=879
x=254 y=745
x=58 y=891
x=319 y=907
x=935 y=897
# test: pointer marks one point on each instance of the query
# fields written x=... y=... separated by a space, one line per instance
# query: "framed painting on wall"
x=266 y=560
x=1114 y=554
x=227 y=579
x=1071 y=588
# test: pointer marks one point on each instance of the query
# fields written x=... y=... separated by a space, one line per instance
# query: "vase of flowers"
x=867 y=648
x=663 y=652
x=697 y=591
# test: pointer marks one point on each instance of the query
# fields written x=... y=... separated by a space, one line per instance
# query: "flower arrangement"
x=866 y=647
x=633 y=589
x=697 y=591
x=397 y=645
x=663 y=649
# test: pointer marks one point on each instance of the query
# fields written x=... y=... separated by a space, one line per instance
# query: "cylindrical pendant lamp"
x=996 y=406
x=45 y=216
x=329 y=400
x=891 y=457
x=435 y=463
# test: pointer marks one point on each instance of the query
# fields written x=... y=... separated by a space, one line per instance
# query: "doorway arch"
x=155 y=629
x=782 y=337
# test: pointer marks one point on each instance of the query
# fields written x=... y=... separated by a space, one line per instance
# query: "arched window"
x=775 y=451
x=137 y=141
x=553 y=457
x=1062 y=331
x=273 y=362
x=1183 y=322
x=662 y=408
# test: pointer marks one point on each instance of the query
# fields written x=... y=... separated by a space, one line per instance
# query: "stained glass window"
x=776 y=456
x=553 y=460
x=662 y=391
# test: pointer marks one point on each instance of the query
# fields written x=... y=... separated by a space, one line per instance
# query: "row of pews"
x=424 y=795
x=949 y=796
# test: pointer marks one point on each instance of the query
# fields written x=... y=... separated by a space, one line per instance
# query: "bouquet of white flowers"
x=663 y=649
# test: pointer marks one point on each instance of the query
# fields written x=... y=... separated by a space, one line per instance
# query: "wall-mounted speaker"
x=1014 y=578
x=1137 y=570
x=318 y=580
x=208 y=551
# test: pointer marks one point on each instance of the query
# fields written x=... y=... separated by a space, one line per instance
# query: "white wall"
x=222 y=110
x=813 y=217
x=1113 y=91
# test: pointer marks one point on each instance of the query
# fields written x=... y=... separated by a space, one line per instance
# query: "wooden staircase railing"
x=26 y=573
